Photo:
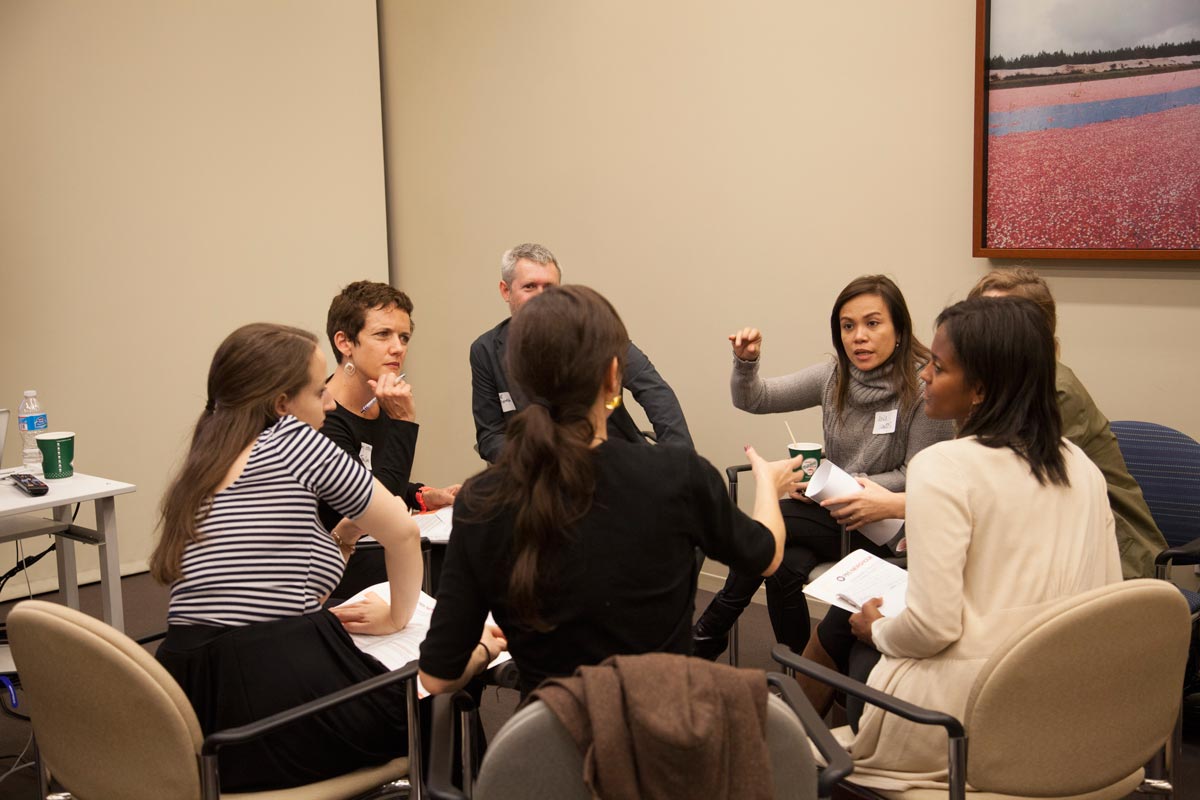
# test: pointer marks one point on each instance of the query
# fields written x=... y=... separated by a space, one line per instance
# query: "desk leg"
x=110 y=563
x=68 y=576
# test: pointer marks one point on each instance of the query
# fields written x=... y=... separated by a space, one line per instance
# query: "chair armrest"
x=901 y=708
x=253 y=730
x=838 y=761
x=440 y=782
x=731 y=475
x=1168 y=556
x=505 y=675
x=957 y=735
x=153 y=637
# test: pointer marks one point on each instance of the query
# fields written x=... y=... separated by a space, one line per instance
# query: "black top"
x=624 y=583
x=392 y=444
x=494 y=399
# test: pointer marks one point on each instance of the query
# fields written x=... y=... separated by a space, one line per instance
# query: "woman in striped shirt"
x=249 y=565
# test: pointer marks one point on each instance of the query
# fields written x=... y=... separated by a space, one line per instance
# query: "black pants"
x=850 y=656
x=237 y=675
x=812 y=538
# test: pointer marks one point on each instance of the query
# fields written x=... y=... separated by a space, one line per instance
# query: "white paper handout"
x=395 y=650
x=435 y=525
x=859 y=577
x=830 y=480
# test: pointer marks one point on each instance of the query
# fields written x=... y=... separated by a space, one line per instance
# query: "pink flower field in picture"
x=1100 y=164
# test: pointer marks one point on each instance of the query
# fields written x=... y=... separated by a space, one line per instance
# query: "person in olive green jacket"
x=1138 y=538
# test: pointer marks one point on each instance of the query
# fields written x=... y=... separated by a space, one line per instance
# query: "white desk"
x=16 y=523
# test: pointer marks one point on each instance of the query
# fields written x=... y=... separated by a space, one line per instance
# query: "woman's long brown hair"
x=909 y=357
x=560 y=347
x=251 y=370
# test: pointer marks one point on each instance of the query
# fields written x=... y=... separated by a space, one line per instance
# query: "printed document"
x=395 y=650
x=859 y=577
x=435 y=525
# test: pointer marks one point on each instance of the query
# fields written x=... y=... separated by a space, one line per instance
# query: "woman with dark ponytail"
x=584 y=547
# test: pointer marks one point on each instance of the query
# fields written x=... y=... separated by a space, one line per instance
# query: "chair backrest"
x=109 y=720
x=533 y=756
x=1082 y=695
x=1166 y=464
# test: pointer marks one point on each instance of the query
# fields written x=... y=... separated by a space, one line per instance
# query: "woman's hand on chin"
x=395 y=397
x=370 y=615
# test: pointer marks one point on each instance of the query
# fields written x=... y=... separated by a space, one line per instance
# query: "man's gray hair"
x=528 y=251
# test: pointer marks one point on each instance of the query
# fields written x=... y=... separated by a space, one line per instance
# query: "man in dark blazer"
x=525 y=272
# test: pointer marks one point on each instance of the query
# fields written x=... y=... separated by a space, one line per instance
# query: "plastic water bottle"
x=31 y=420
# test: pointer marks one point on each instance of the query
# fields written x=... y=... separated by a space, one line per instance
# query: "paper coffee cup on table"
x=830 y=480
x=58 y=453
x=812 y=457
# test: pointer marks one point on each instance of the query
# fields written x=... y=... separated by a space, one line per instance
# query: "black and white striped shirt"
x=262 y=553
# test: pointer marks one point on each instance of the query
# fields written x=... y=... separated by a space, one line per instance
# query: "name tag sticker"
x=885 y=421
x=506 y=403
x=364 y=455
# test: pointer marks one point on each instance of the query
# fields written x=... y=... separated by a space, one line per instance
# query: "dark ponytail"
x=560 y=348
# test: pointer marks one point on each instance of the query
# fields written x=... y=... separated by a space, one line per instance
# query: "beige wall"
x=709 y=165
x=172 y=170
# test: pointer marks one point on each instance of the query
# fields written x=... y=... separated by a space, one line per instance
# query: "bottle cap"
x=31 y=392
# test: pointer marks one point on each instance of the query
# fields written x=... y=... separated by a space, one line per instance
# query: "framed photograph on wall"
x=1087 y=129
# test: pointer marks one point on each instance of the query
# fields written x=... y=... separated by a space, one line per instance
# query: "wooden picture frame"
x=1089 y=159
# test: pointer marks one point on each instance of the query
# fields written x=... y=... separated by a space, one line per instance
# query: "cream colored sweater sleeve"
x=939 y=528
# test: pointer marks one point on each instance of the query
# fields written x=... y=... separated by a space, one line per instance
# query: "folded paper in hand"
x=830 y=480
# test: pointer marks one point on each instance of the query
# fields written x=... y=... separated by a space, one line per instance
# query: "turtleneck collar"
x=869 y=388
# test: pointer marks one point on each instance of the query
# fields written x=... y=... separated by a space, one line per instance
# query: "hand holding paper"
x=860 y=623
x=872 y=504
x=831 y=482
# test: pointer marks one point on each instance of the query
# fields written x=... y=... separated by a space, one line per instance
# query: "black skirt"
x=237 y=675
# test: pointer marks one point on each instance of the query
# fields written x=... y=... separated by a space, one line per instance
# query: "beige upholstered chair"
x=1071 y=706
x=110 y=722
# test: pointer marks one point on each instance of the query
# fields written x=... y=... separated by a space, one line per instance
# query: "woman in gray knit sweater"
x=873 y=422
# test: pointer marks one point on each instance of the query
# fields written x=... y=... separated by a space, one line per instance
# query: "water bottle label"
x=35 y=422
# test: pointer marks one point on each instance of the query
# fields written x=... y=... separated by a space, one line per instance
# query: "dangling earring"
x=349 y=369
x=614 y=404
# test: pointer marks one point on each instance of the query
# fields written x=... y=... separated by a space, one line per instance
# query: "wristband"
x=488 y=653
x=420 y=495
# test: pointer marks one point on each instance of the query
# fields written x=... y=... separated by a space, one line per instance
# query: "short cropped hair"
x=530 y=251
x=348 y=311
x=1020 y=282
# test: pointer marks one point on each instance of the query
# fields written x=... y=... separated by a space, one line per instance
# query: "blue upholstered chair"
x=1166 y=464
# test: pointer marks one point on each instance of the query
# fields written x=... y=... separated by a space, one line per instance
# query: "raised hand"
x=747 y=343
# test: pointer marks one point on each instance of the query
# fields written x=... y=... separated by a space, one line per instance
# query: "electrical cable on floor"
x=18 y=765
